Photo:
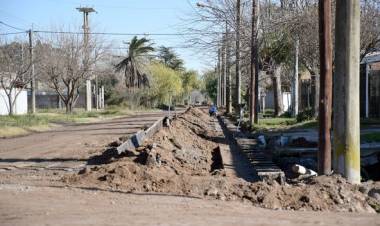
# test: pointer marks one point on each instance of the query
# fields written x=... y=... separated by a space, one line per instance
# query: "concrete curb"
x=138 y=138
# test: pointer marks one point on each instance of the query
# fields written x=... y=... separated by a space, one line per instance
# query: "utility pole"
x=33 y=80
x=228 y=69
x=224 y=77
x=218 y=96
x=221 y=73
x=102 y=97
x=295 y=78
x=97 y=92
x=256 y=105
x=86 y=30
x=346 y=90
x=238 y=72
x=325 y=100
x=254 y=84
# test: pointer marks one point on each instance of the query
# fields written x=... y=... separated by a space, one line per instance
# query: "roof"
x=372 y=58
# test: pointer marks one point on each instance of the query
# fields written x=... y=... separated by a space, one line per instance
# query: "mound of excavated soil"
x=180 y=160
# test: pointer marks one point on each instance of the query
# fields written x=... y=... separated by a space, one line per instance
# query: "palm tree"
x=170 y=59
x=133 y=62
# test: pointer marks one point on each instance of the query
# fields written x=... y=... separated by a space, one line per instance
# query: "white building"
x=267 y=100
x=21 y=102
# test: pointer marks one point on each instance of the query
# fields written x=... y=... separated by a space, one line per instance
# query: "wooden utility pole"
x=33 y=80
x=254 y=80
x=228 y=74
x=222 y=75
x=295 y=78
x=238 y=72
x=86 y=30
x=325 y=100
x=218 y=70
x=225 y=71
x=346 y=90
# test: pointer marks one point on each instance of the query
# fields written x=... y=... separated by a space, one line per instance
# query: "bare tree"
x=14 y=68
x=64 y=66
x=281 y=23
x=369 y=27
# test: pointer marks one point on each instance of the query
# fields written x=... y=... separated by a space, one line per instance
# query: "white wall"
x=286 y=100
x=21 y=105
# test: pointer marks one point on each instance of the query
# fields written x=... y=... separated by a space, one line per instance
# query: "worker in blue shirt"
x=213 y=110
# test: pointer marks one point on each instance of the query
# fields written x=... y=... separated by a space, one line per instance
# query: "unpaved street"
x=70 y=144
x=66 y=206
x=40 y=183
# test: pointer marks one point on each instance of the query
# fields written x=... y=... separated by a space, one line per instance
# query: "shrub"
x=307 y=114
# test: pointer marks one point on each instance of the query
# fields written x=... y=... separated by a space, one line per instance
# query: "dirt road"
x=70 y=145
x=20 y=205
x=32 y=191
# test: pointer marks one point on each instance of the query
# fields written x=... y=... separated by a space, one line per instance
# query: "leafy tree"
x=189 y=82
x=132 y=64
x=170 y=59
x=210 y=82
x=166 y=82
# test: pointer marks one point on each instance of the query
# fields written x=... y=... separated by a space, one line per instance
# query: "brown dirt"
x=179 y=160
x=21 y=205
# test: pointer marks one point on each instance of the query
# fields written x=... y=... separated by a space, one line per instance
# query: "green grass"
x=370 y=137
x=273 y=123
x=369 y=122
x=283 y=123
x=46 y=119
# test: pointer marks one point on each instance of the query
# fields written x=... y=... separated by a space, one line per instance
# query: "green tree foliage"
x=277 y=48
x=166 y=82
x=109 y=80
x=210 y=82
x=190 y=82
x=132 y=64
x=170 y=58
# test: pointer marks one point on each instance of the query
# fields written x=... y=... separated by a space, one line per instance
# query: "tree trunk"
x=316 y=95
x=228 y=74
x=278 y=109
x=237 y=101
x=254 y=69
x=295 y=80
x=10 y=103
x=68 y=108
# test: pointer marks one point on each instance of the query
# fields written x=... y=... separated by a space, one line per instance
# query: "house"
x=370 y=86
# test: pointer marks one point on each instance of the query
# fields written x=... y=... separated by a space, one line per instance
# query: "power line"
x=126 y=34
x=16 y=28
x=14 y=33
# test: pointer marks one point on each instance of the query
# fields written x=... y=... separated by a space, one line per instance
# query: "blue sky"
x=123 y=16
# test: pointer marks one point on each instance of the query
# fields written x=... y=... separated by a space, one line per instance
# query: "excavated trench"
x=186 y=159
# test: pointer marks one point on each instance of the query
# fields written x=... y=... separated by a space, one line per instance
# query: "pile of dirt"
x=323 y=193
x=176 y=160
x=181 y=160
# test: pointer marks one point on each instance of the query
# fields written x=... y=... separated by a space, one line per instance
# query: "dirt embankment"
x=183 y=160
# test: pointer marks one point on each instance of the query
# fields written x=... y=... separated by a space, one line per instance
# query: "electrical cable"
x=16 y=28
